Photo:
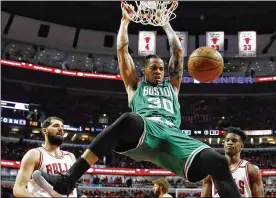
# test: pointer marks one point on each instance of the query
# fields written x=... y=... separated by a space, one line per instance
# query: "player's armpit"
x=256 y=182
x=125 y=61
x=27 y=167
x=207 y=187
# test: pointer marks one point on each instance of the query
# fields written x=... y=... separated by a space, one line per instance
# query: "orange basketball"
x=205 y=64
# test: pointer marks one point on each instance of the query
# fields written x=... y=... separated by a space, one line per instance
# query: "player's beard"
x=55 y=140
x=157 y=192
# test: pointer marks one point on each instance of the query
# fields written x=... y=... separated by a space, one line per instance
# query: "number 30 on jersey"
x=157 y=103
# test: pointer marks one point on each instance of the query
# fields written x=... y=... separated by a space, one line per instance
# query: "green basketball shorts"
x=166 y=146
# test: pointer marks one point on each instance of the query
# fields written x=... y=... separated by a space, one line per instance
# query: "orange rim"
x=173 y=5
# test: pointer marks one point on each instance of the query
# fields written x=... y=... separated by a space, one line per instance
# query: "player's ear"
x=143 y=70
x=44 y=131
x=242 y=145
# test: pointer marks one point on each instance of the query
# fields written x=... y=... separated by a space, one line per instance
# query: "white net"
x=156 y=13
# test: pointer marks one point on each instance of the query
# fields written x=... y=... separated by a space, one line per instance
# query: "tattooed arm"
x=126 y=64
x=176 y=60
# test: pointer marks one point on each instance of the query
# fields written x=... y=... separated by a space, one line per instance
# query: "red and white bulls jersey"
x=240 y=175
x=52 y=165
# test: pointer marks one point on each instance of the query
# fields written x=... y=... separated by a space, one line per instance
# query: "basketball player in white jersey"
x=47 y=158
x=246 y=175
x=161 y=188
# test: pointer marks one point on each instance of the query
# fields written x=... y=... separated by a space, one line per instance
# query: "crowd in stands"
x=7 y=193
x=197 y=112
x=270 y=194
x=120 y=194
x=16 y=150
x=134 y=182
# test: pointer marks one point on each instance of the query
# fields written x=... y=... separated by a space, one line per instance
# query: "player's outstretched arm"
x=126 y=64
x=256 y=182
x=176 y=60
x=206 y=191
x=27 y=167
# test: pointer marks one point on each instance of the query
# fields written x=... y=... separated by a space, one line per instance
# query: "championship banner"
x=146 y=43
x=247 y=44
x=183 y=38
x=215 y=40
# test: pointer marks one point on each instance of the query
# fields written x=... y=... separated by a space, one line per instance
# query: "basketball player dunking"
x=151 y=132
x=246 y=175
x=48 y=158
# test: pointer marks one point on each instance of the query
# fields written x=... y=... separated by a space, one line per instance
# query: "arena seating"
x=15 y=151
x=128 y=194
x=197 y=112
x=86 y=62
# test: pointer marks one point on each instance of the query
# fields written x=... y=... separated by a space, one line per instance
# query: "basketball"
x=205 y=64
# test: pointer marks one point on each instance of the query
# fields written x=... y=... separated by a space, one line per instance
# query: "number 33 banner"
x=247 y=44
x=215 y=40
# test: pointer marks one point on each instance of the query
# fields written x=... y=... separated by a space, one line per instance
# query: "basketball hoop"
x=156 y=13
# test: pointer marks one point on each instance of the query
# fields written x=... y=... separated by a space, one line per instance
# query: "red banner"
x=89 y=74
x=266 y=79
x=268 y=172
x=10 y=164
x=127 y=171
x=60 y=71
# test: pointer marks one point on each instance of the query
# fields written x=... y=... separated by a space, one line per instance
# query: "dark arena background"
x=59 y=59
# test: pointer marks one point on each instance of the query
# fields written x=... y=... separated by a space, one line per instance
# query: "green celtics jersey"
x=157 y=101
